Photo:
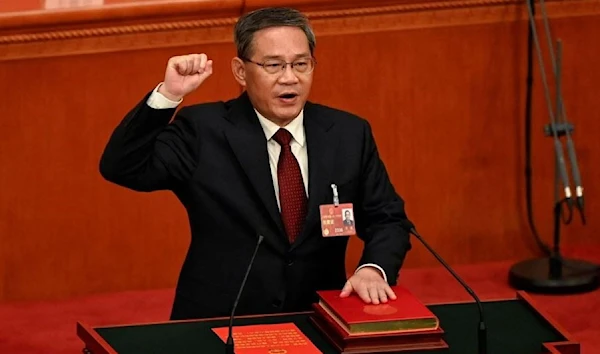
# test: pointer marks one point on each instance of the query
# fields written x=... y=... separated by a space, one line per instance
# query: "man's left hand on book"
x=369 y=285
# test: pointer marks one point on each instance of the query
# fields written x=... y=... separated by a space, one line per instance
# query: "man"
x=348 y=219
x=262 y=164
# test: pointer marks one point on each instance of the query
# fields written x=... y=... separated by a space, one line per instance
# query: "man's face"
x=278 y=96
x=347 y=215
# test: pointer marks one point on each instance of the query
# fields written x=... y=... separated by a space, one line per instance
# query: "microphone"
x=552 y=126
x=576 y=178
x=482 y=329
x=229 y=346
x=562 y=116
x=560 y=110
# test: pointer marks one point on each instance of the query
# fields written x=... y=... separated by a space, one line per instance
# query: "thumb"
x=347 y=290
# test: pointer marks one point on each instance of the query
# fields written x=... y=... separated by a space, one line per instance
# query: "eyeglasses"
x=274 y=66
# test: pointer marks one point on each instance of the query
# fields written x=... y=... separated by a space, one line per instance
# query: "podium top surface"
x=514 y=326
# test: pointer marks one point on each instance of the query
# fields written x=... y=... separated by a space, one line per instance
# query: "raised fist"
x=185 y=74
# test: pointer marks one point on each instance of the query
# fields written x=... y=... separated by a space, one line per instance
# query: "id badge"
x=337 y=219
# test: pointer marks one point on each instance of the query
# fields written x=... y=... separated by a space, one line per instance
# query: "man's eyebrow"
x=297 y=56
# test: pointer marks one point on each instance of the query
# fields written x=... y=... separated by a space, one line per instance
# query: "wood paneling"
x=67 y=231
x=20 y=5
x=442 y=83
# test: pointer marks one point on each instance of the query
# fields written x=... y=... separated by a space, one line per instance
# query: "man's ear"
x=239 y=70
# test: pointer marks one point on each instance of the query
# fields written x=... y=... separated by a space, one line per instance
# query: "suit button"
x=289 y=260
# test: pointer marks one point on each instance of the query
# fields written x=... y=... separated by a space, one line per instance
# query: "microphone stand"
x=229 y=344
x=528 y=169
x=481 y=328
x=554 y=274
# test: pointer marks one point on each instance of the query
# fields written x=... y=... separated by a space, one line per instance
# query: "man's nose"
x=288 y=76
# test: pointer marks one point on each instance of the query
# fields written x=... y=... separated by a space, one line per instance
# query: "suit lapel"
x=249 y=145
x=321 y=146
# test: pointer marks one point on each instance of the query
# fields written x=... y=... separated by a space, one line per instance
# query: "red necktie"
x=292 y=195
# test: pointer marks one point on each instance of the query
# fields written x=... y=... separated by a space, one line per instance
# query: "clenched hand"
x=185 y=74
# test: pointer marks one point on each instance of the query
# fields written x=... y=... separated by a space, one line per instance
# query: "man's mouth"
x=288 y=96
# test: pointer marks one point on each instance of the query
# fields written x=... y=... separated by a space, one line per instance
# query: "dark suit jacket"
x=213 y=156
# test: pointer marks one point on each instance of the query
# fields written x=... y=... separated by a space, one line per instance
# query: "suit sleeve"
x=386 y=238
x=148 y=152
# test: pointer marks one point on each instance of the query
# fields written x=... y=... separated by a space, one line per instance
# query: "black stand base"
x=552 y=276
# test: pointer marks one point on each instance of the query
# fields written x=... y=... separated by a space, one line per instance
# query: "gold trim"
x=441 y=14
x=417 y=6
x=116 y=30
x=116 y=43
x=198 y=24
x=418 y=14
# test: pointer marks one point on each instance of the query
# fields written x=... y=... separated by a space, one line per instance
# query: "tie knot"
x=283 y=137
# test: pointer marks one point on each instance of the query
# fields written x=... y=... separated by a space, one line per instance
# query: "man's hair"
x=268 y=17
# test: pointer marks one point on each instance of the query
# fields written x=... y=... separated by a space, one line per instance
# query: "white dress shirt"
x=298 y=144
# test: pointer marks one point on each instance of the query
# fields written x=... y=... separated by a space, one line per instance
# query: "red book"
x=405 y=314
x=269 y=339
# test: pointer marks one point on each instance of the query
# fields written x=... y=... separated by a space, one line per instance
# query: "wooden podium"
x=515 y=326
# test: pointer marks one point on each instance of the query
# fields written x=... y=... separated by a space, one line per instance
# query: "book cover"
x=276 y=338
x=404 y=313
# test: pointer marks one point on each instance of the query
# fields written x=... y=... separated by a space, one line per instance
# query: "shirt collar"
x=295 y=127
